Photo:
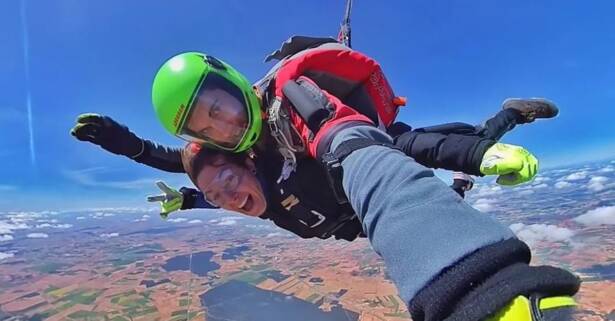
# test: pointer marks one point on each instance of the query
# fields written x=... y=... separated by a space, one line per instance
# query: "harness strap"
x=332 y=162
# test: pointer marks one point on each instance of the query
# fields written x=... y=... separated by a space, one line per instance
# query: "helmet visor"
x=218 y=114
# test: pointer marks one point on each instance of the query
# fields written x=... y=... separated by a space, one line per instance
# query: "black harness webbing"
x=332 y=162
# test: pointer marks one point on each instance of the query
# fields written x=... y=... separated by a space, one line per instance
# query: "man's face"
x=232 y=187
x=219 y=117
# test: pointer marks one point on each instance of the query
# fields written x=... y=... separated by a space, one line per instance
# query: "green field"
x=134 y=304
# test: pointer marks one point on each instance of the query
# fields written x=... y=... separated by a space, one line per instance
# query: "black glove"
x=108 y=134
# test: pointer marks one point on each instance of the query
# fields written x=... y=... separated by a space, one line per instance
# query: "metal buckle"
x=321 y=218
x=285 y=146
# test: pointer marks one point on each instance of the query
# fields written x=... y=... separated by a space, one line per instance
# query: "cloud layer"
x=599 y=216
x=4 y=256
x=534 y=233
x=109 y=235
x=37 y=236
x=226 y=221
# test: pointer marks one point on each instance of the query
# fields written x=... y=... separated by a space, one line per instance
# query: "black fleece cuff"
x=483 y=282
x=518 y=279
x=438 y=299
x=190 y=195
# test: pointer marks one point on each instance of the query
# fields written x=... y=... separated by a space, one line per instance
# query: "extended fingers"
x=165 y=188
x=156 y=198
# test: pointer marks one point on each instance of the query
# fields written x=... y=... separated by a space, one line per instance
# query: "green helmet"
x=202 y=99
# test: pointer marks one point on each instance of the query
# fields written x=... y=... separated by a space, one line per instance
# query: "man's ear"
x=188 y=154
x=250 y=165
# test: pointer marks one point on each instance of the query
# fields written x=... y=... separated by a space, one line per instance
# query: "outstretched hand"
x=108 y=134
x=170 y=201
x=514 y=164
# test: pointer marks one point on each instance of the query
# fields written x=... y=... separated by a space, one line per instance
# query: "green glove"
x=170 y=201
x=547 y=308
x=513 y=164
x=108 y=134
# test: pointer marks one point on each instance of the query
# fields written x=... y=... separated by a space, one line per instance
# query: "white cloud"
x=608 y=169
x=275 y=234
x=59 y=226
x=5 y=255
x=598 y=216
x=97 y=215
x=119 y=210
x=80 y=218
x=225 y=221
x=526 y=192
x=7 y=227
x=64 y=226
x=5 y=237
x=596 y=183
x=598 y=179
x=109 y=235
x=484 y=204
x=229 y=221
x=144 y=218
x=177 y=220
x=195 y=222
x=541 y=232
x=46 y=225
x=562 y=184
x=260 y=227
x=37 y=236
x=543 y=185
x=485 y=191
x=100 y=215
x=576 y=176
x=540 y=179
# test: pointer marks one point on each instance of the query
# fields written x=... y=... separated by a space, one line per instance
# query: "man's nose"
x=234 y=199
x=229 y=199
x=225 y=129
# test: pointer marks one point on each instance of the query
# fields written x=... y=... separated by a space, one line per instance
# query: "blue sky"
x=454 y=60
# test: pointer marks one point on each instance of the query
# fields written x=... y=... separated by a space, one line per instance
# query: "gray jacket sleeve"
x=414 y=221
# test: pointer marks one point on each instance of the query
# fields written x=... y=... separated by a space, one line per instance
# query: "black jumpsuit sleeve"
x=161 y=157
x=193 y=198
